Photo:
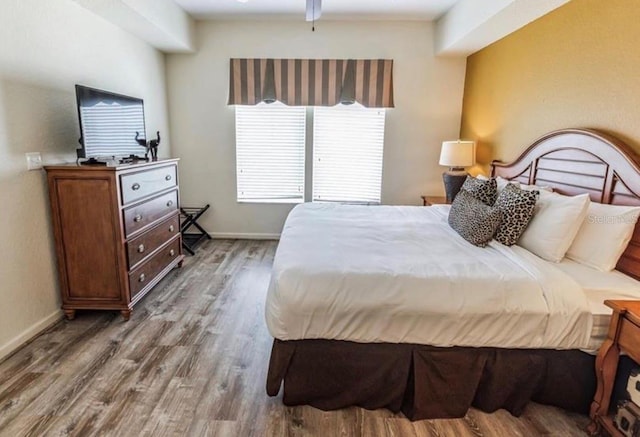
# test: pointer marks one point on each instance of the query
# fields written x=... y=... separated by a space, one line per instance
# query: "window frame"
x=307 y=160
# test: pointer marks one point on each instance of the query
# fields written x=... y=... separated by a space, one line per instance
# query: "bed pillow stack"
x=547 y=224
x=502 y=216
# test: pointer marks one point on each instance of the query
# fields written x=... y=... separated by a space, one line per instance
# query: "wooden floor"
x=192 y=361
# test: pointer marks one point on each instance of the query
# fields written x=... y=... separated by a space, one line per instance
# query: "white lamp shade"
x=458 y=153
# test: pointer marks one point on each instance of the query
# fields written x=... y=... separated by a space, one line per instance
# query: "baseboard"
x=244 y=236
x=30 y=333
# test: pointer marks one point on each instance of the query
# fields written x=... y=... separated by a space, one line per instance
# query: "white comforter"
x=402 y=275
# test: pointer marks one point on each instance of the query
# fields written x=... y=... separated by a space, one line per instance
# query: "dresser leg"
x=180 y=264
x=593 y=428
x=70 y=314
x=606 y=366
x=126 y=314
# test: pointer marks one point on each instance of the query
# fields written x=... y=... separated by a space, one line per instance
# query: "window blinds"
x=270 y=142
x=347 y=153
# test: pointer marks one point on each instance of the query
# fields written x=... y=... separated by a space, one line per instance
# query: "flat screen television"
x=110 y=124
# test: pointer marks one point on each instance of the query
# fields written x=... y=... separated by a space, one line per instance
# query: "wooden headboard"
x=577 y=161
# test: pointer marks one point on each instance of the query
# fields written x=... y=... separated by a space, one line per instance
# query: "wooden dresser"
x=117 y=232
x=623 y=336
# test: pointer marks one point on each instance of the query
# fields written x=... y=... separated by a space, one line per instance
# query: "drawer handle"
x=170 y=203
x=172 y=252
x=141 y=248
x=171 y=228
x=137 y=218
x=135 y=187
x=167 y=177
x=141 y=278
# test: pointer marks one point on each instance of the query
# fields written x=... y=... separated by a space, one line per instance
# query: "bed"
x=387 y=307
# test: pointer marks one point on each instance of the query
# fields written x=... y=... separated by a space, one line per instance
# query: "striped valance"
x=312 y=82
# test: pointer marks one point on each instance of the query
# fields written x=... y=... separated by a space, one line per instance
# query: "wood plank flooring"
x=192 y=361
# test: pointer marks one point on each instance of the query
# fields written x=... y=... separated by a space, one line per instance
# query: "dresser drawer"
x=141 y=247
x=135 y=186
x=140 y=216
x=141 y=276
x=629 y=339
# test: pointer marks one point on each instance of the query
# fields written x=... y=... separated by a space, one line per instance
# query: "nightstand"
x=434 y=200
x=624 y=335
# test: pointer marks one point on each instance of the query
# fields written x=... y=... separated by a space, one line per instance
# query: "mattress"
x=599 y=286
x=400 y=274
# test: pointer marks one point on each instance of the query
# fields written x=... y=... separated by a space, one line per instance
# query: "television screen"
x=109 y=123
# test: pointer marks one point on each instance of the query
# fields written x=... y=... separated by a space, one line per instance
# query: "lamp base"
x=453 y=181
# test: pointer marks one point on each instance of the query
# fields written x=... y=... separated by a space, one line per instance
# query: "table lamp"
x=456 y=155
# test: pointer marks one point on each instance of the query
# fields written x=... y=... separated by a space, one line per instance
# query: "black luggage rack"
x=189 y=217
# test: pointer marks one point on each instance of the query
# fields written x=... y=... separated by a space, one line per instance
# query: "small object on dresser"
x=150 y=146
x=627 y=419
x=153 y=146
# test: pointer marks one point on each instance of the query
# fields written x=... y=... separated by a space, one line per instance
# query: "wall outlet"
x=34 y=160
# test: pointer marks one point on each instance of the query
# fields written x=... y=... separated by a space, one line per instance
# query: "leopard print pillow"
x=473 y=220
x=484 y=190
x=517 y=206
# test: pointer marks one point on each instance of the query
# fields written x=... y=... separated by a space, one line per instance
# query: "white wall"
x=428 y=98
x=161 y=23
x=45 y=48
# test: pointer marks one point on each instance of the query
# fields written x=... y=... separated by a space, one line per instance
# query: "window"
x=347 y=153
x=270 y=142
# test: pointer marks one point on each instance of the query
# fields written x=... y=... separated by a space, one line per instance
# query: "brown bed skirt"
x=427 y=382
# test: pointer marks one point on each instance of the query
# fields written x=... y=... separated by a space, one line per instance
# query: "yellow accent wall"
x=578 y=66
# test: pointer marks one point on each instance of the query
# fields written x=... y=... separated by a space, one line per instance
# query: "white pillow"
x=604 y=235
x=502 y=182
x=554 y=225
x=537 y=187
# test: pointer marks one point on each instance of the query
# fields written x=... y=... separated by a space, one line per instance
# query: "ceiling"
x=331 y=9
x=463 y=26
